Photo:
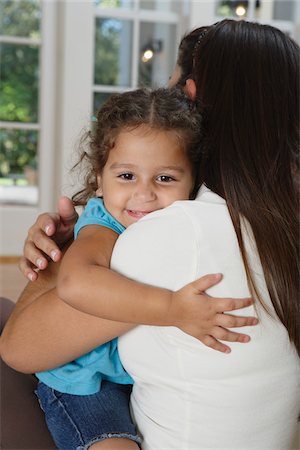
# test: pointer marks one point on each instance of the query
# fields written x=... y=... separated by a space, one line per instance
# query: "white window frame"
x=137 y=15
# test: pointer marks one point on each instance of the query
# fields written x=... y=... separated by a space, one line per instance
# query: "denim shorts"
x=78 y=421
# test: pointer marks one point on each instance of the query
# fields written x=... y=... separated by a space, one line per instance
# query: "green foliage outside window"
x=108 y=3
x=107 y=47
x=18 y=151
x=19 y=85
x=20 y=18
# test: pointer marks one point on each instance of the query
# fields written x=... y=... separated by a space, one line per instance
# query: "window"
x=27 y=96
x=280 y=13
x=135 y=45
x=20 y=42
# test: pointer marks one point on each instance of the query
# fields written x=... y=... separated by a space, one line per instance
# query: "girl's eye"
x=165 y=178
x=126 y=176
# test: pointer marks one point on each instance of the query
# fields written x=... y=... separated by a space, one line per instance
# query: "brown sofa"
x=22 y=424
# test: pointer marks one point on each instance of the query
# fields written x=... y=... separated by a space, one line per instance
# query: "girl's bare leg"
x=115 y=444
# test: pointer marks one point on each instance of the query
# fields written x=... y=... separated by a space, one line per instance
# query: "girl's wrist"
x=172 y=316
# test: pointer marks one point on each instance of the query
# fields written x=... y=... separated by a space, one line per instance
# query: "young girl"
x=141 y=159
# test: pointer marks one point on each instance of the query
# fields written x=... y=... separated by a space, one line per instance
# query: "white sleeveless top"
x=186 y=395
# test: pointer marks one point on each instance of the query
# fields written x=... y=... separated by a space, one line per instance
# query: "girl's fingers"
x=213 y=343
x=213 y=340
x=230 y=321
x=231 y=304
x=226 y=335
x=207 y=281
x=220 y=304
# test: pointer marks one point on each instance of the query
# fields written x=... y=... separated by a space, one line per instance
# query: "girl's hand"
x=201 y=316
x=45 y=237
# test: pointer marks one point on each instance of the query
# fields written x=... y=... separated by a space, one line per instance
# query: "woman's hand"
x=201 y=316
x=46 y=237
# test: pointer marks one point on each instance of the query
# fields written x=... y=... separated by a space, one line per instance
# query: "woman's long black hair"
x=247 y=81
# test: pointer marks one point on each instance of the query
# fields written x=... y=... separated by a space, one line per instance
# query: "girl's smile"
x=137 y=214
x=146 y=170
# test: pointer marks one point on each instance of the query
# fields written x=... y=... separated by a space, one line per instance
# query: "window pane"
x=113 y=52
x=232 y=8
x=99 y=99
x=157 y=53
x=20 y=18
x=114 y=3
x=18 y=166
x=19 y=78
x=263 y=10
x=18 y=151
x=160 y=5
x=284 y=10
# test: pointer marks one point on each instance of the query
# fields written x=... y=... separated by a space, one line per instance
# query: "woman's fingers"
x=39 y=246
x=45 y=236
x=66 y=210
x=27 y=269
x=46 y=222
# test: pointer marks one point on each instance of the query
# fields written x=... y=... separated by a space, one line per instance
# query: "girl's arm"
x=86 y=283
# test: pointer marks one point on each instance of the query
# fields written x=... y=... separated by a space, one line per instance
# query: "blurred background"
x=59 y=60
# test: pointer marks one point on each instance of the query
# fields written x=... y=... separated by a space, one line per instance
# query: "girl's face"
x=145 y=171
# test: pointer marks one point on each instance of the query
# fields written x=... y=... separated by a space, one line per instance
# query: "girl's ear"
x=99 y=191
x=190 y=89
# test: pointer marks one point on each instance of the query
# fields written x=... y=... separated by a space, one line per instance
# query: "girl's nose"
x=145 y=192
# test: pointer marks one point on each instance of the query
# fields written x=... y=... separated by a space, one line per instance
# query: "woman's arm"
x=43 y=332
x=49 y=333
x=86 y=283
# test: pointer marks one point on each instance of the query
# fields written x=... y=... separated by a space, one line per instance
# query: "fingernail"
x=30 y=276
x=47 y=229
x=227 y=350
x=54 y=255
x=40 y=263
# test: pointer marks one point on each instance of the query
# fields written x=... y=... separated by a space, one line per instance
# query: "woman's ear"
x=99 y=191
x=190 y=89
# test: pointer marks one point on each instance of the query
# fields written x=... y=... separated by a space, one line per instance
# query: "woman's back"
x=186 y=395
